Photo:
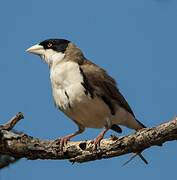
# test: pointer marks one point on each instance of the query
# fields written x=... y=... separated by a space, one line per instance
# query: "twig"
x=8 y=126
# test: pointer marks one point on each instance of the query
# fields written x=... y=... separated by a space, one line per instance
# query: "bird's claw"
x=96 y=142
x=62 y=141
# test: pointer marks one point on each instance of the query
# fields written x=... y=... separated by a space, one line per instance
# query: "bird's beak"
x=36 y=49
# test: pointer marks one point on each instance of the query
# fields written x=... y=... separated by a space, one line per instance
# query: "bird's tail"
x=141 y=124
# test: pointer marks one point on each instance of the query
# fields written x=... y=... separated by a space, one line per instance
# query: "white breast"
x=66 y=83
x=69 y=95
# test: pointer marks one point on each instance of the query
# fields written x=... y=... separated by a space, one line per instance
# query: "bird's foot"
x=62 y=141
x=65 y=139
x=96 y=141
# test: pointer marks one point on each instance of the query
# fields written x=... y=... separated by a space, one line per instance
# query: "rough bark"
x=24 y=146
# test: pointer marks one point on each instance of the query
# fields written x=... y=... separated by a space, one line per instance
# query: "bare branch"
x=12 y=122
x=24 y=146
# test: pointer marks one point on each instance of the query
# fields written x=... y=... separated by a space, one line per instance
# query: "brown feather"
x=102 y=85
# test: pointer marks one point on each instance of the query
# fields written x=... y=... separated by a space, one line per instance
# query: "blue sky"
x=135 y=41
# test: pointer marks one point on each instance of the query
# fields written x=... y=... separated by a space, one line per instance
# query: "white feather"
x=66 y=78
x=52 y=57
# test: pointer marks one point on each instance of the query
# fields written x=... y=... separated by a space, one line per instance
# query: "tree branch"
x=12 y=122
x=24 y=146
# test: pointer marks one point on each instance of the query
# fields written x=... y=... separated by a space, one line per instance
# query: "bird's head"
x=50 y=50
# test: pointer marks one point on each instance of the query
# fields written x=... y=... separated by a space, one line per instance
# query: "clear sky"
x=134 y=40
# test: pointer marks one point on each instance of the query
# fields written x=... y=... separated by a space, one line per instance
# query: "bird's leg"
x=63 y=140
x=96 y=141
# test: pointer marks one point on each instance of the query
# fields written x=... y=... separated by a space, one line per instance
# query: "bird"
x=85 y=92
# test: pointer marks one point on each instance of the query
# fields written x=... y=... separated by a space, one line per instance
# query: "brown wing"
x=98 y=83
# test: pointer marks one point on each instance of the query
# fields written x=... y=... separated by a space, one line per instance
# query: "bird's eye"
x=49 y=45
